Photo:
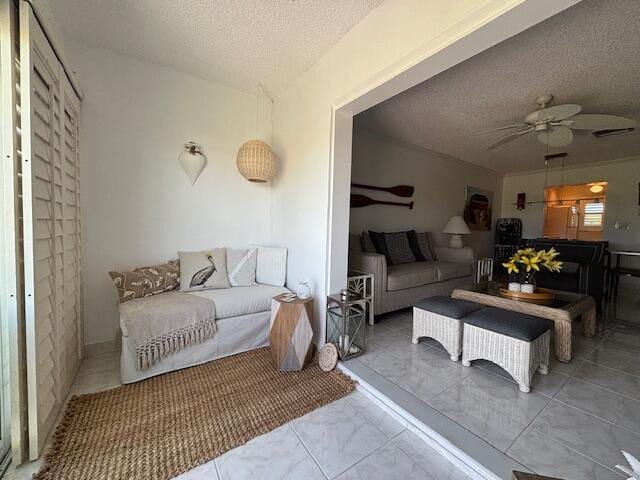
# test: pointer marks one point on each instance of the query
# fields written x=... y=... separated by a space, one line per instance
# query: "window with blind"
x=593 y=215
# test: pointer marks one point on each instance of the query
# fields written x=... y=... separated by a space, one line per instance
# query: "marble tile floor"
x=574 y=422
x=352 y=438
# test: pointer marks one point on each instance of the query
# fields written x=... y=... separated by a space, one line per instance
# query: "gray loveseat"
x=400 y=286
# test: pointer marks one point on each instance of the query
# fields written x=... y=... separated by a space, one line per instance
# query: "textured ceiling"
x=588 y=54
x=237 y=43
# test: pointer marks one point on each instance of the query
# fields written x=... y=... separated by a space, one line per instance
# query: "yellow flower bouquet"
x=528 y=260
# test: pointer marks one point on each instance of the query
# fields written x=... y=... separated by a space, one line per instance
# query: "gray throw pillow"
x=399 y=248
x=426 y=246
x=203 y=270
x=241 y=267
x=377 y=239
x=366 y=243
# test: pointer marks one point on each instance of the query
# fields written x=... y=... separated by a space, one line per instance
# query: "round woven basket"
x=256 y=161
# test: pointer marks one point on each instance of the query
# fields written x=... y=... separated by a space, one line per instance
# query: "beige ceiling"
x=588 y=54
x=232 y=42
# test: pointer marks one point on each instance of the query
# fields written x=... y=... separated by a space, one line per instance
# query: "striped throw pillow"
x=241 y=267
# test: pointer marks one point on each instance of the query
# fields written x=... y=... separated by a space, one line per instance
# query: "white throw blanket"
x=163 y=324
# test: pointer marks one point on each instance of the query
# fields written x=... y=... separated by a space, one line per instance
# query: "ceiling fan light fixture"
x=556 y=136
x=554 y=125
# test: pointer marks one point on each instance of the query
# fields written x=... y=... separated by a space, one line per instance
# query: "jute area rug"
x=167 y=425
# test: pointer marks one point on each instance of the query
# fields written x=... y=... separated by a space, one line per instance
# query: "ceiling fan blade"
x=559 y=112
x=600 y=122
x=508 y=138
x=505 y=128
x=556 y=137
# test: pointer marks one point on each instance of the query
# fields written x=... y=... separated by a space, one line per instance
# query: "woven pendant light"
x=256 y=161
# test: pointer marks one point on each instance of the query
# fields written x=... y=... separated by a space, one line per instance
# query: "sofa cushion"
x=145 y=281
x=236 y=301
x=426 y=246
x=449 y=270
x=447 y=306
x=241 y=266
x=409 y=275
x=513 y=324
x=415 y=246
x=558 y=280
x=380 y=245
x=355 y=244
x=271 y=267
x=203 y=270
x=398 y=247
x=366 y=244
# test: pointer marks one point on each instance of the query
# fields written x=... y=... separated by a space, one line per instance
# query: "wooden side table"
x=291 y=333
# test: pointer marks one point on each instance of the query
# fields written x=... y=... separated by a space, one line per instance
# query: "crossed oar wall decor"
x=359 y=201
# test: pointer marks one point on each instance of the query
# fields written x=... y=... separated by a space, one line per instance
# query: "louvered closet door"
x=71 y=341
x=51 y=244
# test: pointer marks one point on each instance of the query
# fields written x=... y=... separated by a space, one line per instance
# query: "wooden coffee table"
x=566 y=307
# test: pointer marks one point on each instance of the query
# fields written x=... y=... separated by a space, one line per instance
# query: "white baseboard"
x=95 y=349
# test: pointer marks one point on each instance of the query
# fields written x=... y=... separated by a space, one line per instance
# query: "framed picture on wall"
x=477 y=208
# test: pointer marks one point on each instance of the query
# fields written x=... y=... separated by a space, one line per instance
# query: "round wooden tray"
x=541 y=296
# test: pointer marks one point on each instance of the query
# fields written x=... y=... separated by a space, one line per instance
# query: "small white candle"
x=527 y=288
x=514 y=287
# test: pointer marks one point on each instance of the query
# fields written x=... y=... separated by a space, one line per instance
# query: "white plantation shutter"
x=11 y=298
x=72 y=327
x=50 y=228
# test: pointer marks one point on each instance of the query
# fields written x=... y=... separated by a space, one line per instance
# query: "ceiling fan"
x=554 y=125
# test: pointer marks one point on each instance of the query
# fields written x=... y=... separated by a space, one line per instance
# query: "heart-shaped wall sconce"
x=192 y=161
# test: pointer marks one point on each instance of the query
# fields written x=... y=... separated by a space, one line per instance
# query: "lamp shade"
x=256 y=161
x=456 y=226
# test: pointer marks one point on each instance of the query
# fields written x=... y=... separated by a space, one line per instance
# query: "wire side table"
x=362 y=283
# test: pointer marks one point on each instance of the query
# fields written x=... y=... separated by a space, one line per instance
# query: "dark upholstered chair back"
x=584 y=272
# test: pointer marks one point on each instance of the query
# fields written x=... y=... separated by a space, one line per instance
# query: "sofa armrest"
x=457 y=255
x=376 y=264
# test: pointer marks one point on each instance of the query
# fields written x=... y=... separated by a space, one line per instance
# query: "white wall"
x=622 y=199
x=621 y=206
x=138 y=206
x=366 y=66
x=440 y=183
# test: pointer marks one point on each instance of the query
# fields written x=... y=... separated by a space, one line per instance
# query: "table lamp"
x=456 y=227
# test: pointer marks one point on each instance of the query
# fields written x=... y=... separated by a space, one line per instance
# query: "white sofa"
x=242 y=324
x=401 y=286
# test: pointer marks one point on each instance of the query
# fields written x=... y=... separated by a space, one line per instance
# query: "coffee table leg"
x=563 y=341
x=589 y=322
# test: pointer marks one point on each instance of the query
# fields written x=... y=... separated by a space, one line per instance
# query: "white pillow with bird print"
x=203 y=270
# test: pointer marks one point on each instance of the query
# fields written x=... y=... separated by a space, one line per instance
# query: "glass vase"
x=528 y=282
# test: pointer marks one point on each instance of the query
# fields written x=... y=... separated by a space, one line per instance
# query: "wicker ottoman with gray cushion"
x=517 y=342
x=440 y=318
